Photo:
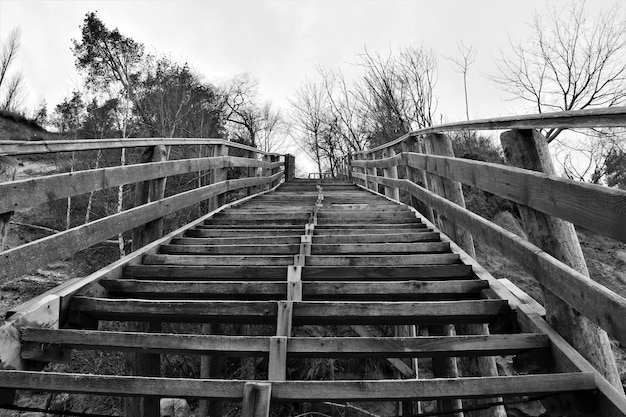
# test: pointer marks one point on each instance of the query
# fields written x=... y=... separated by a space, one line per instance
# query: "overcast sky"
x=279 y=42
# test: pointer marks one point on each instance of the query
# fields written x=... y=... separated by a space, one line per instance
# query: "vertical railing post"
x=417 y=176
x=349 y=167
x=140 y=364
x=8 y=170
x=252 y=172
x=371 y=171
x=391 y=172
x=290 y=167
x=528 y=149
x=438 y=144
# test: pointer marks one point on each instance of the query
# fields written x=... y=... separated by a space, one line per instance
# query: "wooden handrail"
x=591 y=299
x=17 y=195
x=38 y=253
x=576 y=119
x=14 y=147
x=594 y=207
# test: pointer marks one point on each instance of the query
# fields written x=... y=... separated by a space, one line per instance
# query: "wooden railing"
x=258 y=171
x=432 y=177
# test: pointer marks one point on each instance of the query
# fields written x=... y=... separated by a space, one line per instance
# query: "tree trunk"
x=528 y=149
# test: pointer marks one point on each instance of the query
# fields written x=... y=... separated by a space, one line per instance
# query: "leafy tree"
x=68 y=115
x=110 y=59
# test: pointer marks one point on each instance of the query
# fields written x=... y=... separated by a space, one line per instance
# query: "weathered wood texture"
x=8 y=170
x=22 y=194
x=576 y=119
x=529 y=149
x=304 y=390
x=598 y=208
x=23 y=258
x=13 y=147
x=591 y=299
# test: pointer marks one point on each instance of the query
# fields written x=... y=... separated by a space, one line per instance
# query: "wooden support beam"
x=528 y=149
x=391 y=172
x=362 y=390
x=284 y=318
x=8 y=170
x=277 y=365
x=256 y=399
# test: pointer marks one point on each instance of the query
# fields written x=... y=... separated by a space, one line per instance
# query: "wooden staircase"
x=308 y=254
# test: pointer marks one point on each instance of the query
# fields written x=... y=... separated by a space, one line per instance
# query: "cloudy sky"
x=281 y=41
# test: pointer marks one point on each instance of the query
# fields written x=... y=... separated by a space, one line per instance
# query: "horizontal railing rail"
x=576 y=119
x=594 y=207
x=14 y=147
x=255 y=171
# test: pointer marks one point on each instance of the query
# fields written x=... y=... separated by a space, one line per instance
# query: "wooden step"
x=311 y=290
x=420 y=236
x=379 y=248
x=387 y=227
x=376 y=273
x=391 y=390
x=333 y=347
x=212 y=273
x=259 y=249
x=381 y=260
x=306 y=312
x=224 y=260
x=248 y=240
x=217 y=232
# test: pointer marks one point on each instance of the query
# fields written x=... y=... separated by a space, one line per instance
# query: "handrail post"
x=146 y=192
x=528 y=149
x=290 y=167
x=417 y=176
x=137 y=363
x=8 y=170
x=439 y=144
x=391 y=172
x=371 y=171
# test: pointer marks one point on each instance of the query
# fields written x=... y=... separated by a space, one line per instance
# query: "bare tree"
x=467 y=55
x=569 y=62
x=11 y=87
x=398 y=90
x=310 y=113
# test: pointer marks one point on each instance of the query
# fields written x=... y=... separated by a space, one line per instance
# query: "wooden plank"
x=176 y=311
x=163 y=343
x=424 y=312
x=217 y=260
x=391 y=247
x=302 y=390
x=131 y=288
x=23 y=194
x=575 y=119
x=334 y=239
x=36 y=254
x=15 y=147
x=249 y=240
x=396 y=290
x=407 y=347
x=277 y=363
x=589 y=298
x=389 y=260
x=226 y=273
x=259 y=249
x=241 y=233
x=256 y=399
x=594 y=207
x=376 y=273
